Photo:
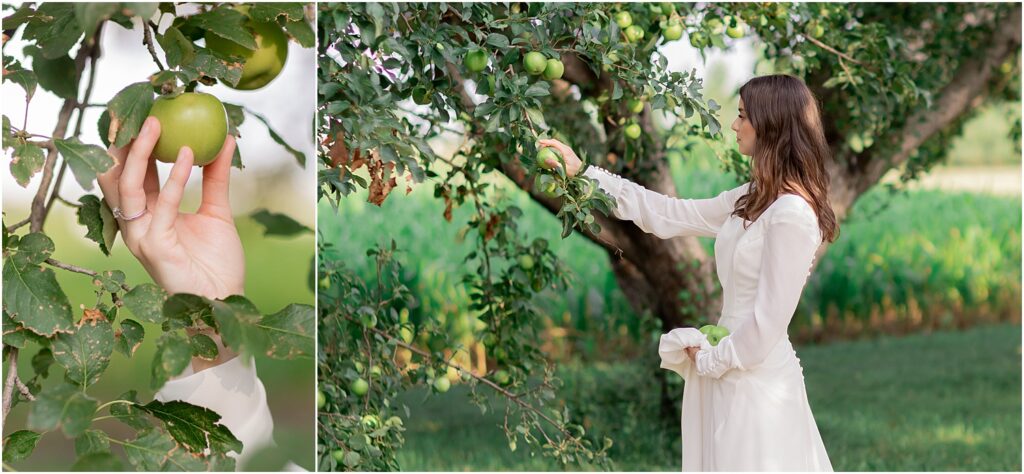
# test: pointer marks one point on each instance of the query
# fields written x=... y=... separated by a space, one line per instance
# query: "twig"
x=147 y=37
x=12 y=375
x=832 y=50
x=17 y=225
x=24 y=390
x=76 y=269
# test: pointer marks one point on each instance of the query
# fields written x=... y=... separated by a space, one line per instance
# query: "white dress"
x=236 y=393
x=745 y=405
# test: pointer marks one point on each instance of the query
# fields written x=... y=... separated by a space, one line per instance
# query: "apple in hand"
x=192 y=119
x=714 y=333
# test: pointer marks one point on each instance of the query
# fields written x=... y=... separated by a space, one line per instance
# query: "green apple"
x=548 y=158
x=476 y=60
x=672 y=31
x=526 y=262
x=442 y=384
x=716 y=25
x=697 y=39
x=406 y=334
x=502 y=377
x=360 y=387
x=815 y=30
x=192 y=119
x=535 y=63
x=553 y=69
x=375 y=370
x=264 y=63
x=623 y=19
x=714 y=333
x=634 y=33
x=632 y=131
x=370 y=422
x=668 y=8
x=635 y=106
x=338 y=455
x=735 y=31
x=368 y=319
x=321 y=399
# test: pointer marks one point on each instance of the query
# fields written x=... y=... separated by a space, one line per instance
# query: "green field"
x=946 y=401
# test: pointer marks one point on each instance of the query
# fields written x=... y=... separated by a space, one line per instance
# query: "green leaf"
x=86 y=161
x=129 y=338
x=91 y=14
x=24 y=78
x=213 y=64
x=271 y=12
x=236 y=116
x=34 y=248
x=103 y=127
x=299 y=156
x=13 y=334
x=27 y=161
x=129 y=413
x=110 y=281
x=54 y=28
x=302 y=31
x=42 y=361
x=128 y=110
x=226 y=23
x=538 y=89
x=291 y=332
x=98 y=462
x=238 y=321
x=63 y=405
x=146 y=302
x=177 y=48
x=155 y=450
x=8 y=134
x=95 y=215
x=173 y=355
x=19 y=445
x=32 y=297
x=182 y=310
x=92 y=441
x=85 y=353
x=203 y=347
x=278 y=224
x=196 y=428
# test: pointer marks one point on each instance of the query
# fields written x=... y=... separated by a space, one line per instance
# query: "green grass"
x=946 y=401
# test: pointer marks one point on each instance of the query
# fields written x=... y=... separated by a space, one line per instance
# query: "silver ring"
x=120 y=215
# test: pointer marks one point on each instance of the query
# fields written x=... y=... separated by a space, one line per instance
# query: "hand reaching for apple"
x=572 y=162
x=198 y=253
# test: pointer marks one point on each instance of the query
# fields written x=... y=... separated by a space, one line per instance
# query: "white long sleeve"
x=665 y=216
x=791 y=239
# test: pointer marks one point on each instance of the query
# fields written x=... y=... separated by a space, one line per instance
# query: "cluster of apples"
x=714 y=333
x=199 y=120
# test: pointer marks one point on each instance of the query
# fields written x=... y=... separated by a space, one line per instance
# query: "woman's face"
x=745 y=136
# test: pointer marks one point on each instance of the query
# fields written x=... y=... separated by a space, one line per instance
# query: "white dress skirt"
x=745 y=405
x=235 y=392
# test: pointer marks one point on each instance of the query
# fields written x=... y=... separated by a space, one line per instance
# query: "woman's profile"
x=745 y=405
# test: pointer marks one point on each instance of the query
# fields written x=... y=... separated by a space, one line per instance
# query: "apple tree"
x=75 y=341
x=896 y=83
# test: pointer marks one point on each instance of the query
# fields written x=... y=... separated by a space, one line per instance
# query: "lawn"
x=946 y=401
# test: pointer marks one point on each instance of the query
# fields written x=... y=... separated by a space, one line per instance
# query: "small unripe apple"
x=548 y=158
x=635 y=106
x=634 y=33
x=623 y=19
x=476 y=60
x=632 y=131
x=553 y=69
x=535 y=63
x=442 y=384
x=321 y=399
x=360 y=387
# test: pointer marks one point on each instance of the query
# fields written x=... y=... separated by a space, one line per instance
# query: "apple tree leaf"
x=203 y=347
x=173 y=354
x=128 y=110
x=86 y=161
x=177 y=48
x=54 y=28
x=97 y=462
x=96 y=216
x=238 y=323
x=24 y=78
x=196 y=428
x=57 y=75
x=129 y=338
x=290 y=332
x=64 y=406
x=226 y=23
x=146 y=302
x=27 y=161
x=183 y=310
x=278 y=224
x=155 y=450
x=302 y=31
x=129 y=413
x=85 y=352
x=20 y=444
x=92 y=441
x=31 y=294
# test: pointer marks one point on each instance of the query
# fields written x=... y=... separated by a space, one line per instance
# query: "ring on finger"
x=120 y=214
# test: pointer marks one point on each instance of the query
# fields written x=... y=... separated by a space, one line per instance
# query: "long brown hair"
x=790 y=148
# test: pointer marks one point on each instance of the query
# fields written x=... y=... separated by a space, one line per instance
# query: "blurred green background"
x=909 y=330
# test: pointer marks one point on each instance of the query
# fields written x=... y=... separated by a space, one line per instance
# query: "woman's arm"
x=665 y=216
x=791 y=239
x=655 y=213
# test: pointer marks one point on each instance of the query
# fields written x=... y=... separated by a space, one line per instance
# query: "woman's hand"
x=692 y=353
x=197 y=253
x=572 y=162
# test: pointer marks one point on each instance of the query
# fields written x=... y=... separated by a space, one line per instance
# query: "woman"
x=197 y=253
x=745 y=406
